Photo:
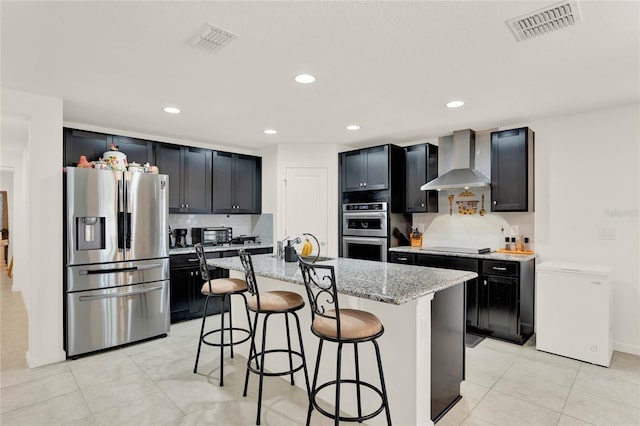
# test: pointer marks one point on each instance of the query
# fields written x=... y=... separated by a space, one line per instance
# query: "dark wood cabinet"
x=499 y=303
x=421 y=166
x=189 y=171
x=365 y=169
x=137 y=150
x=512 y=179
x=237 y=183
x=81 y=142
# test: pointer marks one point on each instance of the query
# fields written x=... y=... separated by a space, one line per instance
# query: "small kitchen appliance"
x=212 y=236
x=180 y=237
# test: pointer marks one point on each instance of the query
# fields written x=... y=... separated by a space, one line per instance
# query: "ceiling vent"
x=556 y=17
x=212 y=38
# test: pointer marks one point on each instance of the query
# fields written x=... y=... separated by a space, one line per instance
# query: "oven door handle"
x=365 y=240
x=360 y=215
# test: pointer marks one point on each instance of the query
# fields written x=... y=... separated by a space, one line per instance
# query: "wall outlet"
x=607 y=234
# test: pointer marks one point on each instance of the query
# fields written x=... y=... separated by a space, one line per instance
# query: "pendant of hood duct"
x=464 y=175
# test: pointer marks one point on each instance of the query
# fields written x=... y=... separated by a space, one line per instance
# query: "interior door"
x=306 y=204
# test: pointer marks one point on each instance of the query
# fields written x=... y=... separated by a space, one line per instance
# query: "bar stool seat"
x=354 y=325
x=275 y=301
x=222 y=288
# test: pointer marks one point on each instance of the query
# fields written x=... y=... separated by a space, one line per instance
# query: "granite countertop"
x=380 y=281
x=487 y=256
x=191 y=250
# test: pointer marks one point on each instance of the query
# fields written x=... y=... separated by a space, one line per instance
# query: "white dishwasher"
x=573 y=311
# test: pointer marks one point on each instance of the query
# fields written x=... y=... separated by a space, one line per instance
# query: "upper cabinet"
x=421 y=166
x=237 y=183
x=80 y=142
x=93 y=145
x=189 y=171
x=365 y=169
x=512 y=177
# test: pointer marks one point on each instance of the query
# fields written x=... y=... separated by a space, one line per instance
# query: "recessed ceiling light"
x=455 y=104
x=171 y=110
x=270 y=132
x=353 y=127
x=305 y=78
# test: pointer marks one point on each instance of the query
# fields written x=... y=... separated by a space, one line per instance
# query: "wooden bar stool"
x=341 y=326
x=222 y=288
x=271 y=303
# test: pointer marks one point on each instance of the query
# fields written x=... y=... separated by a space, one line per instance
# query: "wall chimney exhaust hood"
x=463 y=174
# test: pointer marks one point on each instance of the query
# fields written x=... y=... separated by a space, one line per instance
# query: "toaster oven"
x=211 y=236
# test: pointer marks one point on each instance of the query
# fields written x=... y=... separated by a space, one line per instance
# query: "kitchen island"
x=422 y=310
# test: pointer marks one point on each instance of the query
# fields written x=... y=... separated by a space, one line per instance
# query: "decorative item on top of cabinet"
x=93 y=145
x=237 y=183
x=512 y=166
x=189 y=171
x=421 y=166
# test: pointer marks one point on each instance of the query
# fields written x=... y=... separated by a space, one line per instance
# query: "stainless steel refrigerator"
x=116 y=258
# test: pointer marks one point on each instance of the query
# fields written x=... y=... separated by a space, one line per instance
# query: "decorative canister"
x=83 y=163
x=116 y=160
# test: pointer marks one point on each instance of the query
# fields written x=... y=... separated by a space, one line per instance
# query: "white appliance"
x=573 y=311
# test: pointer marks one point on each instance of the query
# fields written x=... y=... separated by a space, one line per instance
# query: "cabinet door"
x=472 y=303
x=222 y=182
x=352 y=171
x=377 y=168
x=416 y=175
x=499 y=306
x=180 y=293
x=169 y=163
x=246 y=186
x=138 y=150
x=79 y=142
x=509 y=170
x=197 y=180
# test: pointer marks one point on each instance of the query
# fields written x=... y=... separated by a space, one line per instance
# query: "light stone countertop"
x=487 y=256
x=192 y=250
x=380 y=281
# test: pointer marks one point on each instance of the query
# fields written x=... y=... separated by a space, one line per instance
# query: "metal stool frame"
x=321 y=290
x=252 y=286
x=204 y=272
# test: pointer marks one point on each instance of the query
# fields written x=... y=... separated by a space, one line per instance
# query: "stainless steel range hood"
x=463 y=174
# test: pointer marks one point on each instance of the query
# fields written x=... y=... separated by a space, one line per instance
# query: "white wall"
x=6 y=184
x=38 y=258
x=587 y=183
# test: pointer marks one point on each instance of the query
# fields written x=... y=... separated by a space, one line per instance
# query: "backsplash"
x=259 y=224
x=471 y=230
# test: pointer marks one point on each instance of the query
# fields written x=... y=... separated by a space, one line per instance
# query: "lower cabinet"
x=499 y=303
x=186 y=301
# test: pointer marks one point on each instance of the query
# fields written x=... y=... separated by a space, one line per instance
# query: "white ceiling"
x=388 y=66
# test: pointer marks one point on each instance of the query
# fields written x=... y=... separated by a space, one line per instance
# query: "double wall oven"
x=365 y=231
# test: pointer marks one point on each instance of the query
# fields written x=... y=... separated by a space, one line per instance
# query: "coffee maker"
x=180 y=235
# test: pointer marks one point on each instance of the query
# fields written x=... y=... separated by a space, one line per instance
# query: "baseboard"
x=34 y=362
x=626 y=348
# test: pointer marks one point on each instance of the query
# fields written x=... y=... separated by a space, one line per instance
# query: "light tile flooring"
x=152 y=384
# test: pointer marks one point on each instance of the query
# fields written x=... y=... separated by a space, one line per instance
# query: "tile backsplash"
x=259 y=224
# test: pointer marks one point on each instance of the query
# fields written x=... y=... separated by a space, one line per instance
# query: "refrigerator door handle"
x=127 y=294
x=107 y=271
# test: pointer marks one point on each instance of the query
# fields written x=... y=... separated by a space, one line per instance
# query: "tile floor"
x=152 y=384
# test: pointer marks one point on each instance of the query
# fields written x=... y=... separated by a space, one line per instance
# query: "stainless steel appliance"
x=366 y=229
x=211 y=236
x=116 y=258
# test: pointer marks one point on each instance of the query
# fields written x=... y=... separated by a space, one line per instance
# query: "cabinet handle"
x=365 y=184
x=484 y=282
x=193 y=260
x=360 y=184
x=596 y=282
x=403 y=258
x=496 y=268
x=186 y=205
x=421 y=204
x=495 y=202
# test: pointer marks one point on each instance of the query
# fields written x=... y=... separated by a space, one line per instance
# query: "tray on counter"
x=504 y=251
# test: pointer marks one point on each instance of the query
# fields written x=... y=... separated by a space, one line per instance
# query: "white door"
x=306 y=204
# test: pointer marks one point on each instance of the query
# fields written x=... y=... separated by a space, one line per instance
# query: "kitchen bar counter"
x=379 y=281
x=226 y=247
x=422 y=310
x=487 y=256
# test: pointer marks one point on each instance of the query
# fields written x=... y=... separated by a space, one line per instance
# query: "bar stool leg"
x=384 y=388
x=286 y=319
x=230 y=326
x=304 y=359
x=264 y=340
x=339 y=362
x=355 y=351
x=312 y=394
x=204 y=317
x=221 y=341
x=252 y=352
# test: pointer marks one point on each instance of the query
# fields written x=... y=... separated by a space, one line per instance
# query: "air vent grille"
x=556 y=17
x=212 y=38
